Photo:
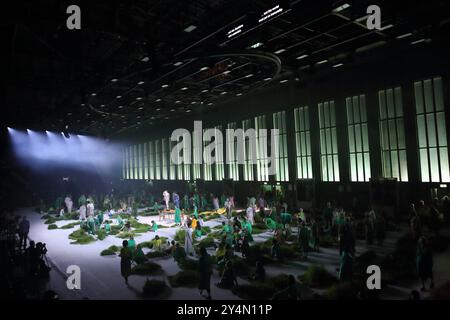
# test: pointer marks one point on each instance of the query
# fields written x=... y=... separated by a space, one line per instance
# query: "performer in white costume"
x=188 y=247
x=250 y=215
x=69 y=204
x=90 y=208
x=82 y=212
x=166 y=196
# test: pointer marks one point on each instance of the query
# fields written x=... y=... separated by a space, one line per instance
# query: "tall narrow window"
x=358 y=138
x=233 y=167
x=124 y=164
x=281 y=166
x=392 y=134
x=262 y=167
x=165 y=159
x=158 y=160
x=207 y=166
x=219 y=163
x=328 y=142
x=248 y=165
x=152 y=163
x=130 y=162
x=136 y=162
x=146 y=161
x=173 y=166
x=431 y=130
x=140 y=161
x=303 y=143
x=197 y=156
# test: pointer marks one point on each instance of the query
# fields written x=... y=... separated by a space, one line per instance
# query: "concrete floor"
x=101 y=279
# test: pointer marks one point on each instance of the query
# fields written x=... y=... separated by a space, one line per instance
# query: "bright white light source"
x=165 y=86
x=140 y=82
x=267 y=79
x=158 y=100
x=204 y=68
x=322 y=62
x=303 y=56
x=342 y=8
x=114 y=80
x=139 y=98
x=280 y=51
x=338 y=65
x=118 y=97
x=235 y=31
x=205 y=90
x=418 y=41
x=145 y=59
x=284 y=81
x=270 y=13
x=239 y=94
x=190 y=28
x=184 y=88
x=256 y=45
x=93 y=94
x=249 y=75
x=179 y=63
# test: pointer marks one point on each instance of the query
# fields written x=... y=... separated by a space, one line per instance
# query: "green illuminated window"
x=392 y=134
x=173 y=167
x=233 y=167
x=248 y=166
x=219 y=163
x=130 y=163
x=136 y=162
x=165 y=159
x=358 y=138
x=207 y=166
x=124 y=164
x=431 y=130
x=151 y=161
x=197 y=154
x=158 y=160
x=328 y=142
x=303 y=143
x=262 y=164
x=281 y=166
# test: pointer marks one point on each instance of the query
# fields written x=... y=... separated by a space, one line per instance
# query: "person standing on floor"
x=24 y=229
x=125 y=261
x=205 y=272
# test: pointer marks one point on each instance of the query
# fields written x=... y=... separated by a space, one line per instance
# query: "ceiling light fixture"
x=280 y=51
x=303 y=56
x=190 y=28
x=179 y=63
x=342 y=8
x=402 y=36
x=165 y=86
x=256 y=45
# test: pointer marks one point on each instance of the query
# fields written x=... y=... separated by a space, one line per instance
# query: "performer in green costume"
x=154 y=227
x=177 y=215
x=91 y=225
x=107 y=227
x=271 y=224
x=81 y=200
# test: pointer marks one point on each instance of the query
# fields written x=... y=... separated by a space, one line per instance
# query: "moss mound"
x=317 y=277
x=207 y=242
x=107 y=252
x=153 y=288
x=70 y=225
x=52 y=226
x=185 y=278
x=81 y=237
x=155 y=254
x=180 y=235
x=101 y=234
x=147 y=268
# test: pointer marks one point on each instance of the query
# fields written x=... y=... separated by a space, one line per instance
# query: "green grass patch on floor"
x=52 y=226
x=146 y=269
x=188 y=264
x=81 y=237
x=155 y=254
x=153 y=288
x=180 y=235
x=101 y=234
x=70 y=225
x=207 y=242
x=110 y=251
x=317 y=276
x=184 y=278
